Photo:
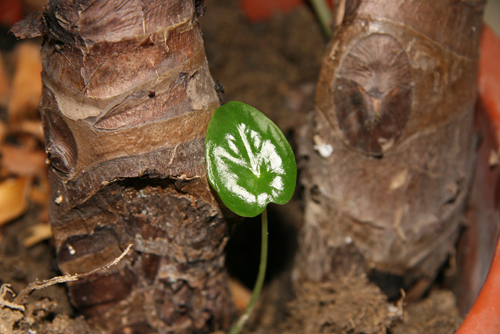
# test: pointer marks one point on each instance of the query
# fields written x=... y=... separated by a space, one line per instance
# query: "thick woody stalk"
x=395 y=101
x=127 y=97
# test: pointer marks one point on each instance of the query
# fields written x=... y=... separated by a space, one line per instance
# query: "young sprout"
x=250 y=164
x=324 y=15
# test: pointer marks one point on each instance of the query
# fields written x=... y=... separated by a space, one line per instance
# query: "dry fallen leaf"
x=241 y=294
x=4 y=83
x=31 y=127
x=26 y=87
x=3 y=173
x=13 y=198
x=40 y=191
x=21 y=161
x=37 y=233
x=3 y=131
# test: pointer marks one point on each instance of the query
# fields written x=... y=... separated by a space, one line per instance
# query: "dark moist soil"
x=273 y=66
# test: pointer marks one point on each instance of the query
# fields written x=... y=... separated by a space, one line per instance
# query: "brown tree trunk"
x=127 y=97
x=395 y=102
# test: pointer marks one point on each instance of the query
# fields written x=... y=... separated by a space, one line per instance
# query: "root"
x=18 y=302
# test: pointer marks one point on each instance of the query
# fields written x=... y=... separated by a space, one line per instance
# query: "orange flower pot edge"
x=489 y=75
x=484 y=317
x=256 y=10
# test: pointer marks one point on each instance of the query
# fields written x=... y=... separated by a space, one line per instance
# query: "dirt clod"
x=437 y=314
x=350 y=304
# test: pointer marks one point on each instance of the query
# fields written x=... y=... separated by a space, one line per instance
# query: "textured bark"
x=127 y=97
x=395 y=100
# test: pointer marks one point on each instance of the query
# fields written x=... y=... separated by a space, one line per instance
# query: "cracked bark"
x=395 y=101
x=126 y=101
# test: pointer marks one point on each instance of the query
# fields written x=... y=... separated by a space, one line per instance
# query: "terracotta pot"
x=256 y=10
x=479 y=240
x=484 y=316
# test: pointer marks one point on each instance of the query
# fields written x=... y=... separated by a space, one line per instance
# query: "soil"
x=272 y=65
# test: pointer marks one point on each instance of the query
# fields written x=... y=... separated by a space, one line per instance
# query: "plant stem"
x=324 y=15
x=238 y=326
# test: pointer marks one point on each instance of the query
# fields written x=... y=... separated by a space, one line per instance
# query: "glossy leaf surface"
x=249 y=161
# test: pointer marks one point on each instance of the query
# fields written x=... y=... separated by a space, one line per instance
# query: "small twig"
x=38 y=285
x=5 y=303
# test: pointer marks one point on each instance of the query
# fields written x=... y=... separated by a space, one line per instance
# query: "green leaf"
x=249 y=161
